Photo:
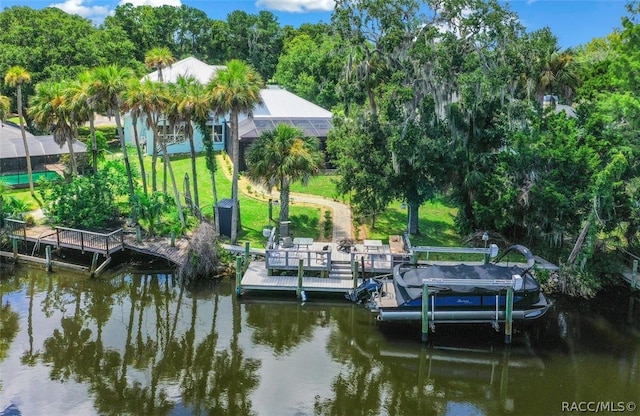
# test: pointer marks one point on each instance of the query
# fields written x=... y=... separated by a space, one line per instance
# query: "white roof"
x=280 y=103
x=203 y=72
x=11 y=145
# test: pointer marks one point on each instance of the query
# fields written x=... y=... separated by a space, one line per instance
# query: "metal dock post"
x=300 y=273
x=238 y=275
x=508 y=319
x=425 y=312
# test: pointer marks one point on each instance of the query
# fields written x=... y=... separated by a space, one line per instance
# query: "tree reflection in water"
x=161 y=349
x=143 y=343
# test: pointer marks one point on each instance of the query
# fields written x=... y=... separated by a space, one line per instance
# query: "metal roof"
x=190 y=66
x=11 y=145
x=311 y=127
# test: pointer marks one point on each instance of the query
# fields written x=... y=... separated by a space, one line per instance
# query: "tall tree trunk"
x=154 y=160
x=167 y=164
x=126 y=161
x=234 y=181
x=176 y=194
x=134 y=121
x=94 y=142
x=164 y=171
x=194 y=173
x=24 y=142
x=413 y=218
x=72 y=155
x=284 y=199
x=579 y=243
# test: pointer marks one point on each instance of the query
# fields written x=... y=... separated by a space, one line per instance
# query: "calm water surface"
x=136 y=343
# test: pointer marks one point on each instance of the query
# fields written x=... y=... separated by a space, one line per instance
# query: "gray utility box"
x=225 y=207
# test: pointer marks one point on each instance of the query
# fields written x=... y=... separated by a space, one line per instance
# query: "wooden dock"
x=159 y=247
x=104 y=244
x=256 y=278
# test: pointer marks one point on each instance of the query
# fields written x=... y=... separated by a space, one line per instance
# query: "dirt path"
x=341 y=213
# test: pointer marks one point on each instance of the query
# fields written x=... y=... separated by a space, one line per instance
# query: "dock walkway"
x=104 y=244
x=160 y=247
x=256 y=278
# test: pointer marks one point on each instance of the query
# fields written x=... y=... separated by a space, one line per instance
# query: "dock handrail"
x=288 y=259
x=16 y=228
x=628 y=257
x=90 y=240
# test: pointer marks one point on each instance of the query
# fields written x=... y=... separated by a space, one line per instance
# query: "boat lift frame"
x=496 y=285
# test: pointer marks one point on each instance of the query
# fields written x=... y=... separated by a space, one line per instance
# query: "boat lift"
x=430 y=315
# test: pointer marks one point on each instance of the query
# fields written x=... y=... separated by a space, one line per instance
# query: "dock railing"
x=631 y=262
x=487 y=252
x=372 y=262
x=90 y=241
x=288 y=259
x=16 y=228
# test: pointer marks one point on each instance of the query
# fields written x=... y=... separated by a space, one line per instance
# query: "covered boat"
x=458 y=293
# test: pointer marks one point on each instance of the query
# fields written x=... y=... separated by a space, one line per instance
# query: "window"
x=217 y=133
x=171 y=134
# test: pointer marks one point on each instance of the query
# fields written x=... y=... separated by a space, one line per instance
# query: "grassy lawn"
x=321 y=185
x=254 y=213
x=25 y=196
x=435 y=222
x=436 y=217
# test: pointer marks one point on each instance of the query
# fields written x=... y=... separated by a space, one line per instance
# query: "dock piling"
x=425 y=312
x=246 y=254
x=14 y=245
x=48 y=263
x=634 y=275
x=354 y=272
x=238 y=275
x=299 y=291
x=508 y=318
x=94 y=264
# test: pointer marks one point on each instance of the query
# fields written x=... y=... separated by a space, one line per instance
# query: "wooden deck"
x=160 y=247
x=256 y=278
x=101 y=243
x=62 y=237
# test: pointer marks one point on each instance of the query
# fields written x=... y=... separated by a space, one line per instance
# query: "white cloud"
x=78 y=7
x=297 y=5
x=96 y=13
x=153 y=3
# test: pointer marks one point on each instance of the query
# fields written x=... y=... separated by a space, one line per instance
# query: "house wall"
x=145 y=137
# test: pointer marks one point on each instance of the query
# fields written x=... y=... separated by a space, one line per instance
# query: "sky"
x=574 y=22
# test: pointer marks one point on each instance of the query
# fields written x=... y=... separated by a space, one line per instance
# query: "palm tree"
x=282 y=156
x=15 y=77
x=558 y=75
x=159 y=58
x=132 y=98
x=5 y=107
x=152 y=100
x=233 y=90
x=189 y=103
x=109 y=83
x=85 y=105
x=51 y=110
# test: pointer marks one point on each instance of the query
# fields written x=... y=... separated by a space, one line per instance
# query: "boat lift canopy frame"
x=496 y=285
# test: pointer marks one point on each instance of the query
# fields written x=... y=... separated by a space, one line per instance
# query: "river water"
x=142 y=343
